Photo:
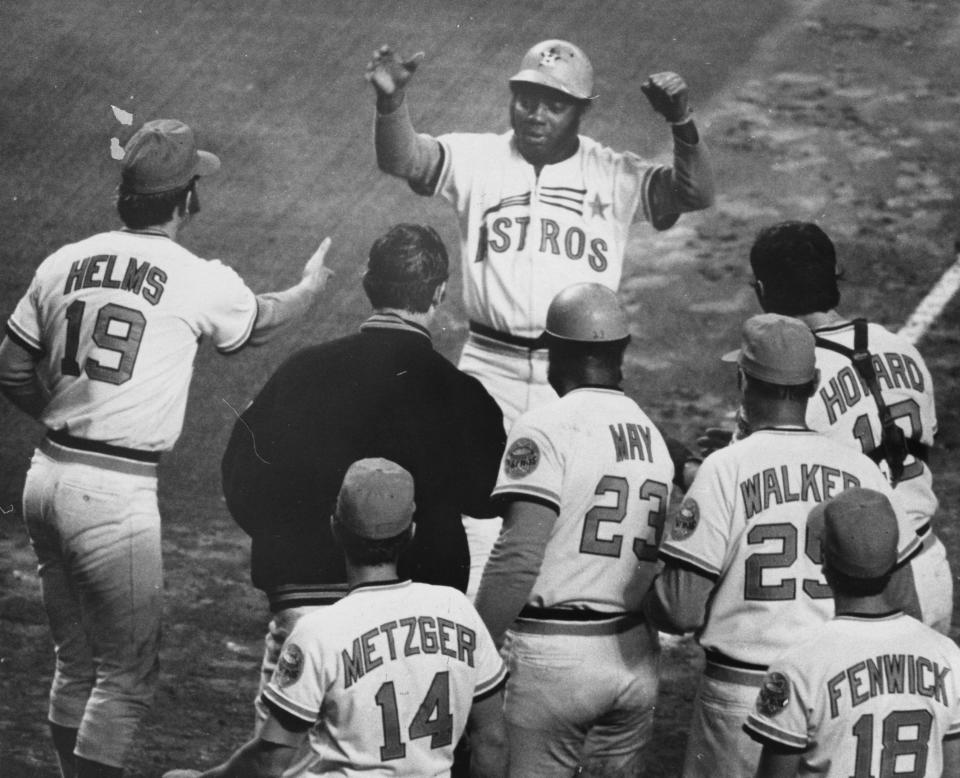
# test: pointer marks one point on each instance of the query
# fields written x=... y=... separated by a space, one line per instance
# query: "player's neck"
x=422 y=319
x=874 y=605
x=365 y=574
x=819 y=319
x=764 y=412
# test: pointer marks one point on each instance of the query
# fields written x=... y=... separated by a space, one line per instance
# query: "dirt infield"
x=843 y=113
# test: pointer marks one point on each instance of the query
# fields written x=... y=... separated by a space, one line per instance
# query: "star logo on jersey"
x=598 y=206
x=686 y=521
x=774 y=694
x=522 y=458
x=290 y=667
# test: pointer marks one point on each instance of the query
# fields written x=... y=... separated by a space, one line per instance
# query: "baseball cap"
x=376 y=499
x=559 y=65
x=163 y=155
x=586 y=313
x=776 y=349
x=858 y=533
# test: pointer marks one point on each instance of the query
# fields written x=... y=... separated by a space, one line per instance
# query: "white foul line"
x=933 y=304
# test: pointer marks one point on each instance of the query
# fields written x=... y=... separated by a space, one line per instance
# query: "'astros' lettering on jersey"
x=597 y=457
x=844 y=409
x=744 y=522
x=525 y=237
x=864 y=696
x=116 y=319
x=389 y=673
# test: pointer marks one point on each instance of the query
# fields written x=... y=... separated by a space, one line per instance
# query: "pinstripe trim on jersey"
x=294 y=595
x=673 y=553
x=289 y=706
x=528 y=490
x=487 y=687
x=508 y=202
x=953 y=731
x=23 y=339
x=563 y=197
x=239 y=343
x=912 y=549
x=767 y=732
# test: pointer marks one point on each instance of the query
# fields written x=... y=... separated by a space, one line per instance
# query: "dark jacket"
x=383 y=392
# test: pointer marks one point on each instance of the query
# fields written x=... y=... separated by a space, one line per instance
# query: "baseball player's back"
x=864 y=695
x=390 y=673
x=118 y=317
x=744 y=522
x=599 y=458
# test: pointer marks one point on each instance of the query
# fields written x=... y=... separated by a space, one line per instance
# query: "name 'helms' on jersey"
x=138 y=277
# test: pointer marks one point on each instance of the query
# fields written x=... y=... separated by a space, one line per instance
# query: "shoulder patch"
x=522 y=458
x=774 y=694
x=686 y=520
x=290 y=667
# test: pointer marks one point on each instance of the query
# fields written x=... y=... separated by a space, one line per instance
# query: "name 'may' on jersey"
x=597 y=457
x=844 y=409
x=389 y=673
x=525 y=237
x=743 y=522
x=116 y=319
x=864 y=696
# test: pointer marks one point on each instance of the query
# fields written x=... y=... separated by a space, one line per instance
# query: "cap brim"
x=207 y=163
x=731 y=356
x=542 y=79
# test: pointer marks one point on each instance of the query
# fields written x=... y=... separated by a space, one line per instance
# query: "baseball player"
x=873 y=691
x=585 y=483
x=540 y=207
x=386 y=679
x=795 y=267
x=100 y=350
x=741 y=568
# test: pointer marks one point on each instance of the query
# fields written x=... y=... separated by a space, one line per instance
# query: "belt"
x=721 y=667
x=62 y=447
x=530 y=344
x=570 y=621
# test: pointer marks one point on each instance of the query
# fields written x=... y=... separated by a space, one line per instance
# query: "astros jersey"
x=866 y=695
x=744 y=523
x=597 y=457
x=389 y=674
x=117 y=318
x=844 y=409
x=525 y=237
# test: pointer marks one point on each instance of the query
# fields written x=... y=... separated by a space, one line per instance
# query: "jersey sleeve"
x=632 y=178
x=228 y=309
x=532 y=465
x=491 y=671
x=298 y=683
x=780 y=714
x=463 y=156
x=24 y=324
x=701 y=531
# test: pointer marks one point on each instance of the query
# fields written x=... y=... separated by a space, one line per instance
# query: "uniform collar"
x=392 y=321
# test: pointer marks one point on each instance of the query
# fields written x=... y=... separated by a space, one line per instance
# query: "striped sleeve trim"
x=645 y=193
x=488 y=687
x=528 y=489
x=953 y=730
x=912 y=548
x=241 y=341
x=681 y=555
x=23 y=339
x=768 y=732
x=289 y=706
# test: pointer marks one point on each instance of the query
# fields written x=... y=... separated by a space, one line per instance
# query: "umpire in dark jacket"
x=382 y=392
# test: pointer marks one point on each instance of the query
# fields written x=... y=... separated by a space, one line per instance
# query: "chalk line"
x=932 y=305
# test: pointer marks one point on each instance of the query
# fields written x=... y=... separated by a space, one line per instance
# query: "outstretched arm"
x=688 y=185
x=276 y=309
x=400 y=150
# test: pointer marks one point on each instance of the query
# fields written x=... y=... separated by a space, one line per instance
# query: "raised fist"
x=388 y=73
x=667 y=93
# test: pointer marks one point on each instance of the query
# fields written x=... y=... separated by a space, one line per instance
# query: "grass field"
x=843 y=113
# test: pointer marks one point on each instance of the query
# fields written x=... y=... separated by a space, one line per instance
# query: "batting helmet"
x=587 y=313
x=559 y=65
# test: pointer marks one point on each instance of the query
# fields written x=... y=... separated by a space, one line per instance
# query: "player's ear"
x=758 y=288
x=439 y=294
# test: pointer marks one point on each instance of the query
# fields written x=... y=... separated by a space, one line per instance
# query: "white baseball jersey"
x=389 y=674
x=868 y=696
x=744 y=523
x=116 y=319
x=844 y=409
x=525 y=237
x=597 y=457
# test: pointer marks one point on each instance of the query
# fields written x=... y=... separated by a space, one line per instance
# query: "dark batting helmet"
x=587 y=313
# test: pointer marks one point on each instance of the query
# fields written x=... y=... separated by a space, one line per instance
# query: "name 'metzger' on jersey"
x=389 y=674
x=743 y=522
x=864 y=696
x=122 y=313
x=526 y=236
x=597 y=457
